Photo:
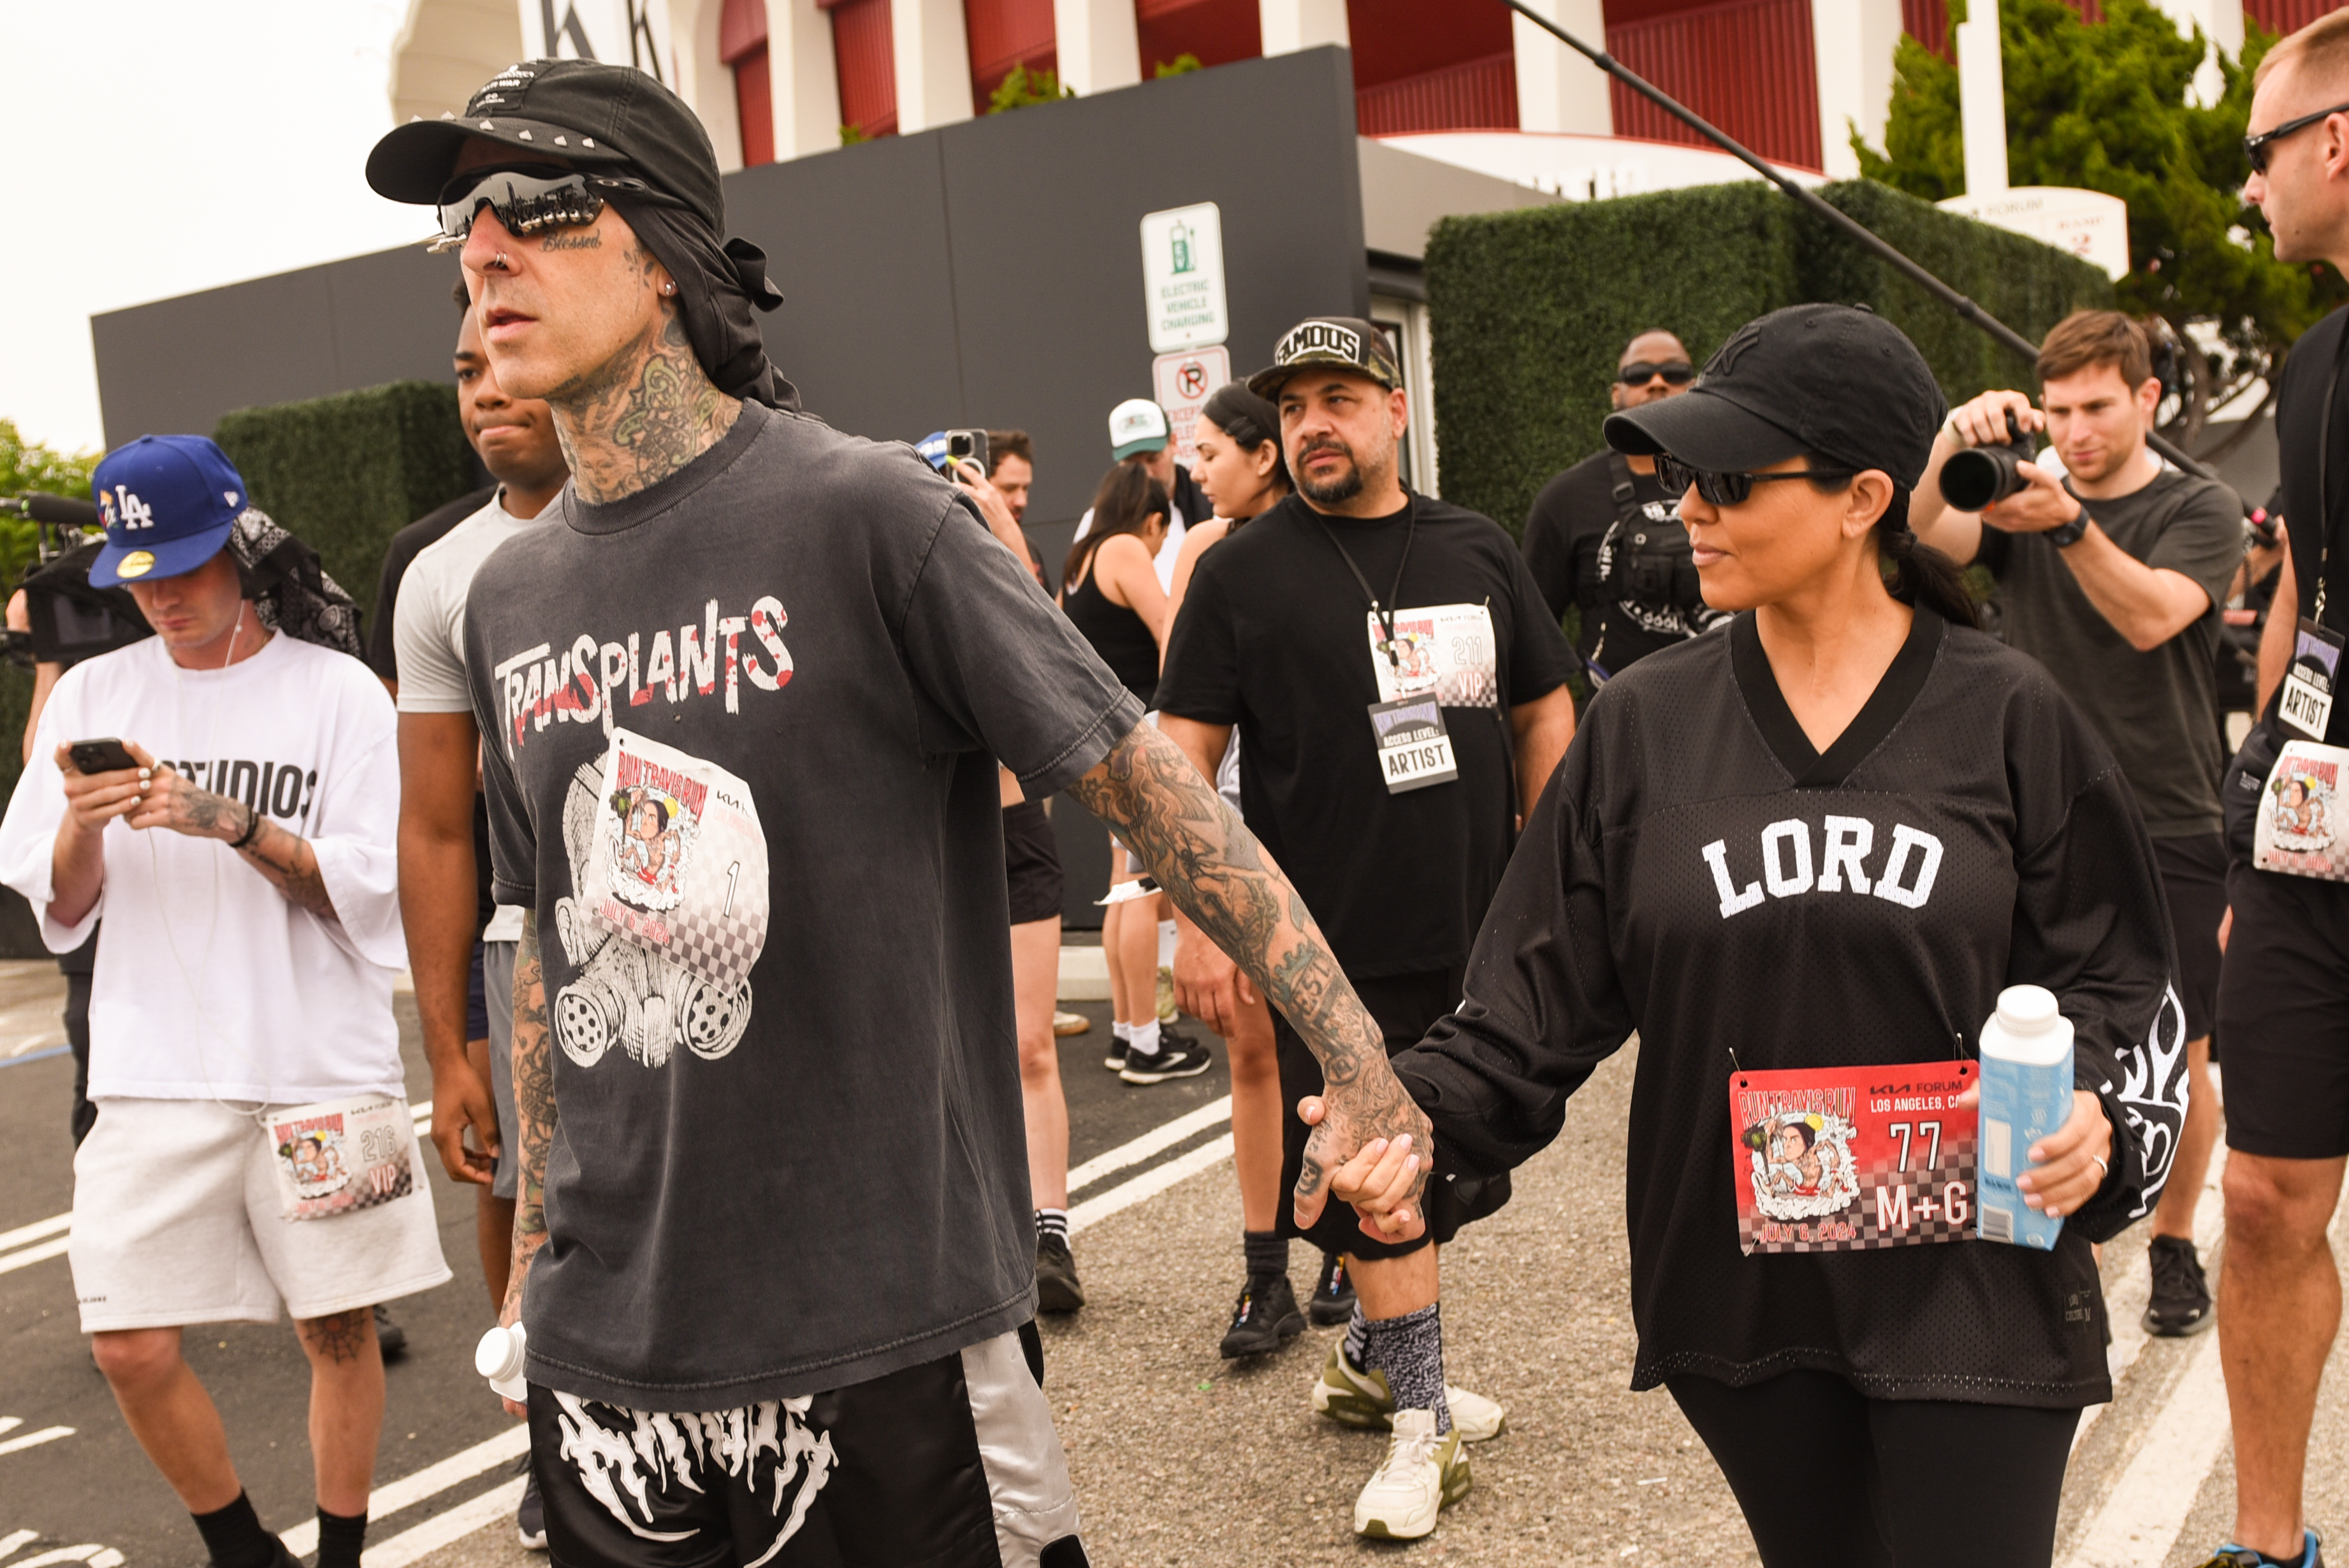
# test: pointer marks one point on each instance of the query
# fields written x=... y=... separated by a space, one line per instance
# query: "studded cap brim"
x=413 y=161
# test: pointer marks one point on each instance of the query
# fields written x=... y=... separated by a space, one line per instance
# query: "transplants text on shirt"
x=591 y=681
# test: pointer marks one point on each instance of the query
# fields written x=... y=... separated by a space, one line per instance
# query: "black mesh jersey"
x=1696 y=872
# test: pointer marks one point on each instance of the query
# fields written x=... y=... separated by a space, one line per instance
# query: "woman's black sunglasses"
x=530 y=197
x=2255 y=148
x=1639 y=373
x=1728 y=490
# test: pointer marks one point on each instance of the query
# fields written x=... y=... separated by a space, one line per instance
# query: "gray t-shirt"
x=815 y=1175
x=2158 y=710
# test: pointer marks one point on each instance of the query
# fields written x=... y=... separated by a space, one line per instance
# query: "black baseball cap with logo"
x=1339 y=342
x=581 y=112
x=1832 y=379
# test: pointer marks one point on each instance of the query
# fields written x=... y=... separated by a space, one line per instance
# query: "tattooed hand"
x=1220 y=877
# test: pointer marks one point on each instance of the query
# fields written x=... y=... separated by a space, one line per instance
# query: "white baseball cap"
x=1137 y=425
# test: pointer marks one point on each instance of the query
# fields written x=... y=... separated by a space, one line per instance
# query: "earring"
x=669 y=289
x=497 y=264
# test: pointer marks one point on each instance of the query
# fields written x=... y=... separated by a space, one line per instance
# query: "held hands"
x=1385 y=1178
x=1207 y=985
x=2069 y=1166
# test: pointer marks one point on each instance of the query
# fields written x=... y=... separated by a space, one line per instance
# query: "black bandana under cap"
x=716 y=288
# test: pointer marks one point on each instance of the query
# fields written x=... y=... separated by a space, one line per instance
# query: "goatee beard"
x=1336 y=492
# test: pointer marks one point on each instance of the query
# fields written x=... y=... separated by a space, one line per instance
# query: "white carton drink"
x=499 y=1358
x=2026 y=1094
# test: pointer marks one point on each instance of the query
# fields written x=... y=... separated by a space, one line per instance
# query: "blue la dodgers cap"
x=168 y=502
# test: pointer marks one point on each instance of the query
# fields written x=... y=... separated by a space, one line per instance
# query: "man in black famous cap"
x=742 y=693
x=1399 y=687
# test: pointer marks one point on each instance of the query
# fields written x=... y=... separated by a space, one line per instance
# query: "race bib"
x=679 y=863
x=342 y=1154
x=2307 y=701
x=1414 y=748
x=2298 y=829
x=1449 y=650
x=1838 y=1160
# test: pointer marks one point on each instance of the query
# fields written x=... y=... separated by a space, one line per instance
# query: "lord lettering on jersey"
x=1795 y=859
x=594 y=680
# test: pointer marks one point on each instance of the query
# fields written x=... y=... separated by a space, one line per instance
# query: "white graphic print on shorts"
x=626 y=994
x=628 y=1459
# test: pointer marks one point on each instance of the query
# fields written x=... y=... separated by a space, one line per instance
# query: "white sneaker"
x=1422 y=1475
x=1353 y=1398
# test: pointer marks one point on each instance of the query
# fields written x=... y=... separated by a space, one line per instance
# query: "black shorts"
x=1406 y=1007
x=476 y=998
x=2194 y=878
x=2283 y=1011
x=1031 y=862
x=951 y=1464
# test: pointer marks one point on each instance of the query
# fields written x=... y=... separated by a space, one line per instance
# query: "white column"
x=1096 y=44
x=1851 y=45
x=802 y=78
x=1557 y=89
x=2221 y=22
x=1288 y=26
x=1982 y=99
x=932 y=54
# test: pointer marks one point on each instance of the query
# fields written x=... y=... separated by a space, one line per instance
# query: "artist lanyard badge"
x=2306 y=704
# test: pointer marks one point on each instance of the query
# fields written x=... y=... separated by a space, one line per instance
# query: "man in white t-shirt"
x=224 y=794
x=440 y=773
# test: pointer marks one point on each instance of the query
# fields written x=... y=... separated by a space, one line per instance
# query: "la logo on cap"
x=132 y=511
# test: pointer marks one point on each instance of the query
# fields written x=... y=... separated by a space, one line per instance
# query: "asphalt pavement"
x=1180 y=1458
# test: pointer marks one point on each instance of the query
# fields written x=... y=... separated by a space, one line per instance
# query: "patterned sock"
x=1053 y=1223
x=340 y=1539
x=1358 y=1329
x=1266 y=1253
x=1409 y=1350
x=1144 y=1039
x=234 y=1537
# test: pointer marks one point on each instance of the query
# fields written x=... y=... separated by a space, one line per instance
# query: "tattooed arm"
x=533 y=1132
x=1221 y=878
x=163 y=799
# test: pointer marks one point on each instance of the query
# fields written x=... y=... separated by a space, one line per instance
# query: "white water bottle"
x=499 y=1358
x=2026 y=1094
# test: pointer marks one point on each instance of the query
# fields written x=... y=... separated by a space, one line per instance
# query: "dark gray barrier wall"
x=986 y=274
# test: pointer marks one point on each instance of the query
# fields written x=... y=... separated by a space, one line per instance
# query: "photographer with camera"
x=2113 y=574
x=1605 y=535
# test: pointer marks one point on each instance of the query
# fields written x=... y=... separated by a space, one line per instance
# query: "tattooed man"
x=775 y=1256
x=236 y=831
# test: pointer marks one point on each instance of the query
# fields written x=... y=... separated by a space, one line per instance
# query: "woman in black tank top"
x=1110 y=587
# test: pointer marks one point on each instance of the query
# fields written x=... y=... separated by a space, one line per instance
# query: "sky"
x=165 y=146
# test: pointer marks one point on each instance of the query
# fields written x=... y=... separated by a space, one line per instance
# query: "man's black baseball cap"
x=577 y=111
x=1832 y=379
x=1340 y=341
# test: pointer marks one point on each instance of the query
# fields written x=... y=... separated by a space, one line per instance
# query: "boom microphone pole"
x=1819 y=205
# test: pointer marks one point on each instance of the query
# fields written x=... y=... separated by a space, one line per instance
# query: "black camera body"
x=1986 y=475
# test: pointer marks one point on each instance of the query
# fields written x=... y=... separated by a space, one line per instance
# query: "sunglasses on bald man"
x=1639 y=373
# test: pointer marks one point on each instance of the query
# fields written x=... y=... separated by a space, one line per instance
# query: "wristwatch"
x=2070 y=533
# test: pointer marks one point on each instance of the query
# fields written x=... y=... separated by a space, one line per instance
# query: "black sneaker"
x=1057 y=1289
x=1334 y=1293
x=2180 y=1301
x=389 y=1337
x=1115 y=1060
x=1177 y=1057
x=530 y=1516
x=1264 y=1319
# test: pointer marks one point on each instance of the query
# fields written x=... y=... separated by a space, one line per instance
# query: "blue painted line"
x=35 y=1056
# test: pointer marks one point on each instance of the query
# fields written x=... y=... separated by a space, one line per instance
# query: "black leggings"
x=1939 y=1484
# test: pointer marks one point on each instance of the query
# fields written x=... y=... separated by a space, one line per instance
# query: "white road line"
x=9 y=1542
x=1149 y=1184
x=34 y=1439
x=15 y=1260
x=2148 y=1506
x=1151 y=1142
x=35 y=1232
x=492 y=1506
x=430 y=1481
x=31 y=1043
x=2125 y=1300
x=90 y=1552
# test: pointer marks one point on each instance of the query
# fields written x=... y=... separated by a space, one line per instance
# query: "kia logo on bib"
x=1906 y=876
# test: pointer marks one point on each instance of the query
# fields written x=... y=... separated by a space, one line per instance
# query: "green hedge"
x=1531 y=309
x=348 y=472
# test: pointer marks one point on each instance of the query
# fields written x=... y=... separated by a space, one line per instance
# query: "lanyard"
x=1386 y=613
x=2323 y=480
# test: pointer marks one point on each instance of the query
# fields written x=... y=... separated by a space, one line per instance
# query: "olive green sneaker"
x=1421 y=1476
x=1354 y=1398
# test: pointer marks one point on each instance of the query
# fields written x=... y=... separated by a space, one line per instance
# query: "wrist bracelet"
x=251 y=826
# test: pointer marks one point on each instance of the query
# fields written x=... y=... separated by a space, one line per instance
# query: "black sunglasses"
x=530 y=197
x=1728 y=490
x=1639 y=373
x=2255 y=148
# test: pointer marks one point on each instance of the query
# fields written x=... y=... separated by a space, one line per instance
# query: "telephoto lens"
x=1982 y=476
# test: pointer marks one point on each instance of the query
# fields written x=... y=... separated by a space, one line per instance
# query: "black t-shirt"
x=1697 y=873
x=1572 y=535
x=1274 y=638
x=2157 y=709
x=382 y=657
x=2300 y=414
x=790 y=1151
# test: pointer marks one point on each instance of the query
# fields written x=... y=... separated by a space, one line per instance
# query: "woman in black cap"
x=1826 y=840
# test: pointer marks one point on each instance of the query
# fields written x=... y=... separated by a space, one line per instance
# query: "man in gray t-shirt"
x=2112 y=570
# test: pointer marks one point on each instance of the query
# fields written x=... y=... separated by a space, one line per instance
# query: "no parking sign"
x=1182 y=381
